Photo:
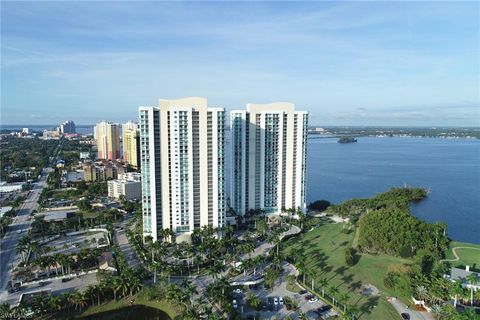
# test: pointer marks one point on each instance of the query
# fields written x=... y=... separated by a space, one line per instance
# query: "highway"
x=20 y=226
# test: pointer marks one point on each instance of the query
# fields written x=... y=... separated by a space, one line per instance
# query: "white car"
x=275 y=301
x=280 y=301
x=313 y=299
x=238 y=291
x=234 y=304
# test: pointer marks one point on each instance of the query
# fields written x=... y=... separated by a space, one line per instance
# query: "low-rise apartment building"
x=102 y=170
x=127 y=184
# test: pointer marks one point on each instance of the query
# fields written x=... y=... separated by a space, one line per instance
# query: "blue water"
x=450 y=169
x=81 y=129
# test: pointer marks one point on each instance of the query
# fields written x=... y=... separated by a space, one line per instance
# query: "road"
x=56 y=286
x=414 y=315
x=20 y=226
x=120 y=239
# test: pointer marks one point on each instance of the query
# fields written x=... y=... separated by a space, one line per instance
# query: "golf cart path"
x=457 y=258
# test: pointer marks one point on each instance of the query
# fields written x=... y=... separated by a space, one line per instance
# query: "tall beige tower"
x=108 y=140
x=182 y=145
x=130 y=139
x=269 y=149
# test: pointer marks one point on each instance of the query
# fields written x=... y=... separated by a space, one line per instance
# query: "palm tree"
x=89 y=293
x=83 y=301
x=422 y=292
x=312 y=274
x=302 y=316
x=473 y=279
x=343 y=299
x=223 y=284
x=134 y=286
x=456 y=290
x=438 y=310
x=352 y=310
x=275 y=240
x=333 y=291
x=323 y=283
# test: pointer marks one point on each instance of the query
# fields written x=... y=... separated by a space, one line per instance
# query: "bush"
x=254 y=301
x=350 y=256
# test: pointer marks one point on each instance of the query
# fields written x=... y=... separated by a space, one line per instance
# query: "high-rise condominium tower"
x=67 y=127
x=108 y=140
x=269 y=147
x=182 y=157
x=131 y=145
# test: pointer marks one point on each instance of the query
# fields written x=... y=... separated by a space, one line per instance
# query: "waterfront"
x=449 y=168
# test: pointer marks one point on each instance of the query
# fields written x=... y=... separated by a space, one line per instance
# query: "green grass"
x=114 y=305
x=324 y=249
x=468 y=257
x=292 y=287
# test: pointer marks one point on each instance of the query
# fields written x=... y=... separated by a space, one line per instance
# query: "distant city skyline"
x=346 y=63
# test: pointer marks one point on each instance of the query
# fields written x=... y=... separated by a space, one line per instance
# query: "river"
x=449 y=168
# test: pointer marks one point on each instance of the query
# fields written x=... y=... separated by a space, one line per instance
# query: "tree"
x=343 y=300
x=456 y=290
x=323 y=283
x=473 y=279
x=352 y=310
x=421 y=292
x=332 y=290
x=349 y=256
x=319 y=205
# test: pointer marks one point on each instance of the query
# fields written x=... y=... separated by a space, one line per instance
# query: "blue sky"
x=348 y=63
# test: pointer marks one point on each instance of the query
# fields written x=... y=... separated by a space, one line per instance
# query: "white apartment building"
x=269 y=148
x=182 y=147
x=128 y=184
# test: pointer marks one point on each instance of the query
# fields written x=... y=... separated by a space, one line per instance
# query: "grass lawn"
x=324 y=249
x=114 y=305
x=468 y=257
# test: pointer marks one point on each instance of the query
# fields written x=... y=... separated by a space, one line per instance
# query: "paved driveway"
x=414 y=315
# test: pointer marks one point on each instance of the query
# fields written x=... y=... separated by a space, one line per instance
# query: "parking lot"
x=73 y=243
x=273 y=301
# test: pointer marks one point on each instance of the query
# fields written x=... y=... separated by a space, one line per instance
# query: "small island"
x=347 y=140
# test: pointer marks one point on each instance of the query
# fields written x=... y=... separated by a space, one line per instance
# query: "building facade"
x=108 y=140
x=182 y=145
x=67 y=127
x=269 y=148
x=127 y=184
x=131 y=145
x=102 y=170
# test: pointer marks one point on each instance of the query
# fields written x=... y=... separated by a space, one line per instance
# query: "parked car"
x=405 y=316
x=308 y=297
x=313 y=299
x=303 y=291
x=234 y=304
x=280 y=301
x=324 y=308
x=238 y=291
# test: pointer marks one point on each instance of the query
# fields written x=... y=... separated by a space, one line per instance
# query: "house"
x=458 y=274
x=106 y=262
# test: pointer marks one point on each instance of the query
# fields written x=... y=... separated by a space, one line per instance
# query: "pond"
x=137 y=312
